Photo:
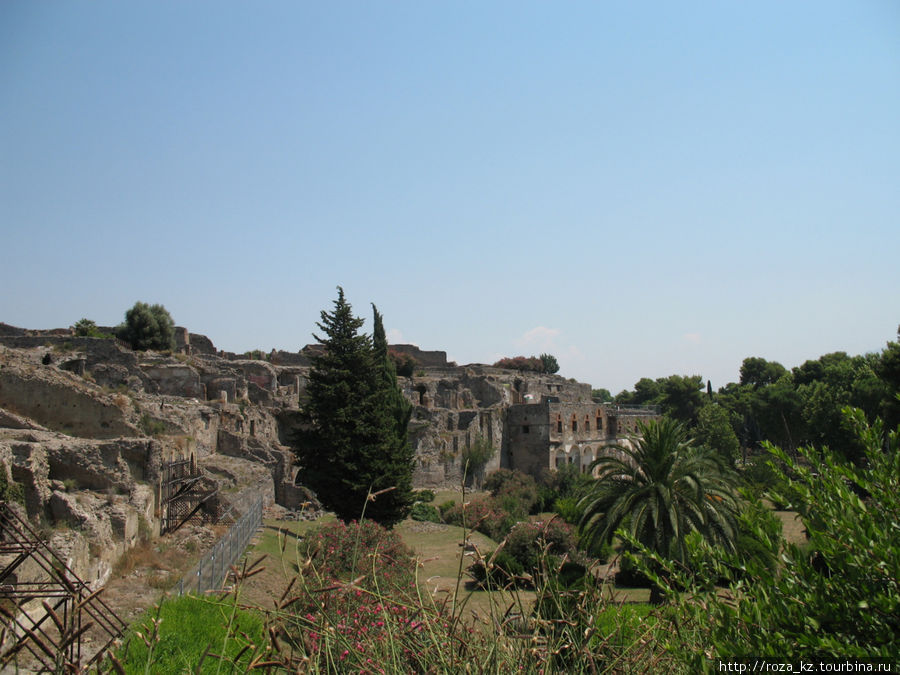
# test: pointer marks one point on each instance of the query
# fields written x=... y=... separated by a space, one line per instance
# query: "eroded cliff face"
x=86 y=427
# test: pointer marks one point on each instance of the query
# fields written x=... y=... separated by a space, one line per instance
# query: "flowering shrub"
x=356 y=606
x=344 y=552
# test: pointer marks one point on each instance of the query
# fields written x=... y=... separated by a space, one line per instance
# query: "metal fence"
x=210 y=572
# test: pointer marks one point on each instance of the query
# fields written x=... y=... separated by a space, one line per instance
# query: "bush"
x=425 y=513
x=151 y=426
x=515 y=491
x=549 y=363
x=567 y=508
x=476 y=456
x=148 y=327
x=87 y=328
x=446 y=506
x=426 y=496
x=358 y=609
x=343 y=552
x=836 y=597
x=531 y=364
x=528 y=547
x=484 y=514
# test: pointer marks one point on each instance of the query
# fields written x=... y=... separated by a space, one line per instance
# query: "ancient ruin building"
x=548 y=434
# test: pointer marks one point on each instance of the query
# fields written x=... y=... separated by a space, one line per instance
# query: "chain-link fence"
x=210 y=572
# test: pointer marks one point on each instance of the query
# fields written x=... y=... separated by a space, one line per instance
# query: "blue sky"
x=642 y=189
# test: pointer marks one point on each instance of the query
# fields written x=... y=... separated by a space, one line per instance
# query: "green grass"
x=182 y=632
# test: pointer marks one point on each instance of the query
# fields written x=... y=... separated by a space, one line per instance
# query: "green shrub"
x=9 y=489
x=527 y=547
x=515 y=491
x=836 y=597
x=87 y=328
x=355 y=607
x=425 y=513
x=475 y=457
x=425 y=495
x=568 y=510
x=404 y=364
x=446 y=506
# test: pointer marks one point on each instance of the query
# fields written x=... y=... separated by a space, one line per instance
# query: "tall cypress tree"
x=399 y=454
x=350 y=447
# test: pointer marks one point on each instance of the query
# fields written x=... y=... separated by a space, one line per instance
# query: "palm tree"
x=660 y=490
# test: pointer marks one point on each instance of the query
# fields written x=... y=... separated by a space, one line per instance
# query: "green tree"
x=551 y=365
x=715 y=432
x=646 y=391
x=888 y=370
x=148 y=327
x=352 y=446
x=660 y=490
x=759 y=372
x=682 y=397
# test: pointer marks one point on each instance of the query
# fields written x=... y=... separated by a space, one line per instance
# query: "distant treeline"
x=790 y=408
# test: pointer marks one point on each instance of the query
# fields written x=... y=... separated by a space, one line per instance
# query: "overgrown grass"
x=193 y=634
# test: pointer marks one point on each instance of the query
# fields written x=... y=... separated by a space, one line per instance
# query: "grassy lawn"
x=442 y=567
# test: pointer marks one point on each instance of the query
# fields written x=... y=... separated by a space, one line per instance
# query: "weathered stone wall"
x=200 y=344
x=174 y=379
x=424 y=359
x=440 y=438
x=528 y=437
x=54 y=400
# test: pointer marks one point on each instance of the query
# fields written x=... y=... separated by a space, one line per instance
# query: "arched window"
x=558 y=423
x=574 y=423
x=587 y=423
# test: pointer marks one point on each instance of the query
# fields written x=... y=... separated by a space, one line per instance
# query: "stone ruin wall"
x=453 y=405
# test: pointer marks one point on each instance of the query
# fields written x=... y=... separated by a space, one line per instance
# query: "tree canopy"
x=148 y=327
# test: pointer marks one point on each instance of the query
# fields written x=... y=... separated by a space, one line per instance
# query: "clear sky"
x=640 y=188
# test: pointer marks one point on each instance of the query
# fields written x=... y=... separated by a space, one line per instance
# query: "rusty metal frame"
x=180 y=497
x=70 y=608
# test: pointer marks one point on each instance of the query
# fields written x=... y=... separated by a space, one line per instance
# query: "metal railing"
x=209 y=574
x=632 y=409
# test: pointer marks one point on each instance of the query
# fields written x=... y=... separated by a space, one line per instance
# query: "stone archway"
x=587 y=457
x=575 y=456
